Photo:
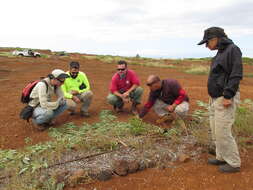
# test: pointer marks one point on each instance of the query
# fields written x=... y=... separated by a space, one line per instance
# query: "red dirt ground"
x=15 y=73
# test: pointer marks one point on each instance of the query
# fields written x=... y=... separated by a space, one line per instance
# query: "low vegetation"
x=109 y=134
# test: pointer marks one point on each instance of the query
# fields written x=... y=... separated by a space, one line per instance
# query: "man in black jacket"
x=223 y=88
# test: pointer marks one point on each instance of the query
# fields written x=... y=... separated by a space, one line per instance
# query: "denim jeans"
x=42 y=116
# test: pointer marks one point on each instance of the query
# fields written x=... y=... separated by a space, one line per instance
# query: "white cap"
x=59 y=74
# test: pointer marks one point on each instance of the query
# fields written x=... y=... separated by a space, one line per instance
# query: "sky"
x=150 y=28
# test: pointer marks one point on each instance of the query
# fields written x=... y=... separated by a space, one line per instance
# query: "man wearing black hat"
x=77 y=89
x=223 y=88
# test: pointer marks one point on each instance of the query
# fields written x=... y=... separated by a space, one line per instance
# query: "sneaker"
x=216 y=162
x=44 y=126
x=228 y=169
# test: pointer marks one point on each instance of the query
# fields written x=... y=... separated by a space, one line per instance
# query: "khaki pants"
x=85 y=98
x=181 y=109
x=221 y=122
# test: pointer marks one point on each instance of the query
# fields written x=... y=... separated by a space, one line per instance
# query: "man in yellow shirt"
x=77 y=90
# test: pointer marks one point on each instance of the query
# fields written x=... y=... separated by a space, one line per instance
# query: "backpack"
x=25 y=96
x=27 y=112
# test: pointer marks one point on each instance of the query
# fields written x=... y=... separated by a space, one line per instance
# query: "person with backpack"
x=226 y=72
x=45 y=110
x=76 y=89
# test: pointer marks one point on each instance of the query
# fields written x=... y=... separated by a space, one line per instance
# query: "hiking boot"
x=228 y=169
x=85 y=114
x=118 y=109
x=134 y=109
x=216 y=162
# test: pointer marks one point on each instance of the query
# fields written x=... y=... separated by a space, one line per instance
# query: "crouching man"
x=167 y=97
x=45 y=109
x=124 y=87
x=76 y=90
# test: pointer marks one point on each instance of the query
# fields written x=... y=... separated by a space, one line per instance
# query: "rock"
x=183 y=158
x=133 y=166
x=77 y=177
x=120 y=167
x=101 y=175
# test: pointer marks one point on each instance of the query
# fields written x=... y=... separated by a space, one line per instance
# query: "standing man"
x=223 y=89
x=46 y=110
x=76 y=90
x=167 y=97
x=124 y=87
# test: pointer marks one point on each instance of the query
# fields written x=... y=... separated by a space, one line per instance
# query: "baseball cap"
x=74 y=64
x=59 y=74
x=212 y=32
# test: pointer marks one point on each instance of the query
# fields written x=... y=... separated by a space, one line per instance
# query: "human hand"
x=171 y=108
x=126 y=94
x=74 y=92
x=226 y=102
x=76 y=99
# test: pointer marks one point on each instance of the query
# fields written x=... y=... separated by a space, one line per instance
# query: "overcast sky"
x=152 y=28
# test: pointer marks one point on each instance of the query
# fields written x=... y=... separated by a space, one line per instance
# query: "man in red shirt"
x=167 y=97
x=124 y=87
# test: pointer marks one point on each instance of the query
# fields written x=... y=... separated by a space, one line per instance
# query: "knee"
x=111 y=99
x=139 y=91
x=44 y=118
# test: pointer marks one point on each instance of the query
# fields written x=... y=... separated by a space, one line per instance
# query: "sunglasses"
x=61 y=81
x=121 y=69
x=151 y=83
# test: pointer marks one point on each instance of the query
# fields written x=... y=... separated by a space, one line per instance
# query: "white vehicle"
x=26 y=53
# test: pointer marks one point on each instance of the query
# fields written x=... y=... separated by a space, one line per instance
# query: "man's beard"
x=73 y=75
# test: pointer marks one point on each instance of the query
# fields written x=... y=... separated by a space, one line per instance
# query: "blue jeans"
x=44 y=116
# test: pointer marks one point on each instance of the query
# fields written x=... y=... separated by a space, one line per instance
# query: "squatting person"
x=124 y=87
x=76 y=90
x=168 y=98
x=45 y=109
x=223 y=89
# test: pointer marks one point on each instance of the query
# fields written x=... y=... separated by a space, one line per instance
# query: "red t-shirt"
x=122 y=85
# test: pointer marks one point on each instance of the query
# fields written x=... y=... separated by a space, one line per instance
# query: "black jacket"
x=226 y=70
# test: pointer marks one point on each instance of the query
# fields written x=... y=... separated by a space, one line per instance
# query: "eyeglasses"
x=121 y=69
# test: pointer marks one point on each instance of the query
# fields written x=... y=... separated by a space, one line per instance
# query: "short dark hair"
x=122 y=62
x=74 y=64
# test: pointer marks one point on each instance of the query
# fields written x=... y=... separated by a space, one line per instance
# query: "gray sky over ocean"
x=151 y=28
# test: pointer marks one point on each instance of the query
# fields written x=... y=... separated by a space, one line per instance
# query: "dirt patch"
x=191 y=176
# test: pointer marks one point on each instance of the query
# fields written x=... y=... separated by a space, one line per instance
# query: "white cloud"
x=119 y=26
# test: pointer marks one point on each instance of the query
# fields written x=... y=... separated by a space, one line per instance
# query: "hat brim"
x=202 y=41
x=63 y=76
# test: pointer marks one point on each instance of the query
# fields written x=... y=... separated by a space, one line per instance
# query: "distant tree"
x=137 y=56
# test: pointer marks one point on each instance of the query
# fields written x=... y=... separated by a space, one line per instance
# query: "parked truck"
x=26 y=53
